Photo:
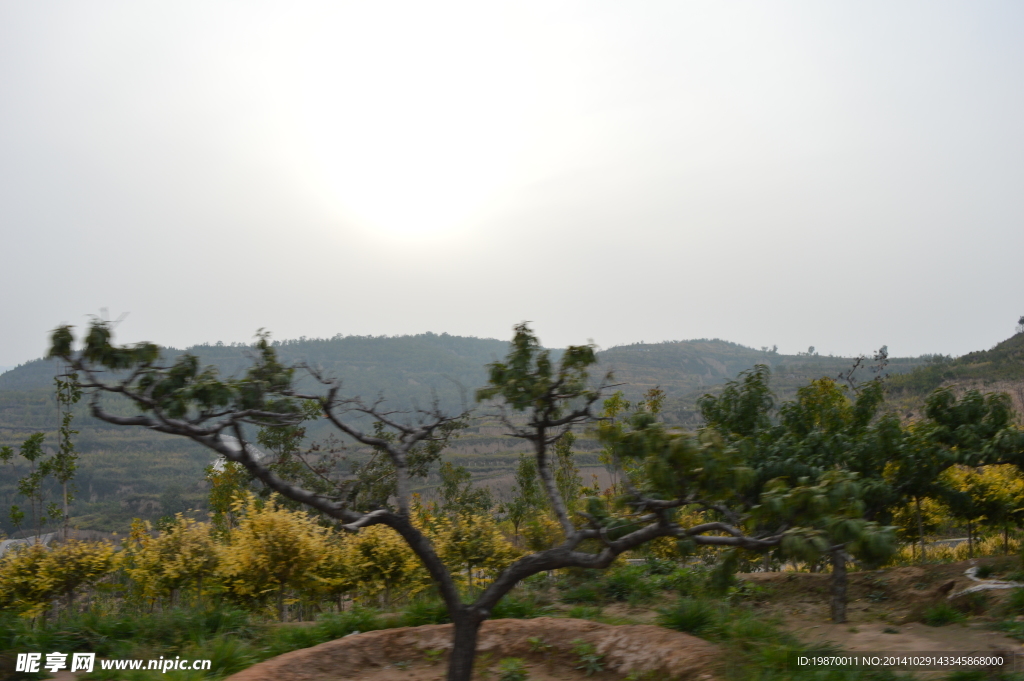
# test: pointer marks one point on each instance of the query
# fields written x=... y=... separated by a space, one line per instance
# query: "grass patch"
x=941 y=614
x=231 y=639
x=424 y=611
x=757 y=649
x=583 y=593
x=518 y=607
x=584 y=612
x=690 y=615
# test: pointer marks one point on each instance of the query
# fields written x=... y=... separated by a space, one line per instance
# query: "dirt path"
x=885 y=609
x=869 y=637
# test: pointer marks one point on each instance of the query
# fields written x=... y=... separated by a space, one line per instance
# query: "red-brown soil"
x=403 y=654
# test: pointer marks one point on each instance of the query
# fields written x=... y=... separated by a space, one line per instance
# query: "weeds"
x=941 y=614
x=584 y=612
x=587 y=658
x=542 y=647
x=231 y=639
x=584 y=593
x=689 y=615
x=757 y=649
x=539 y=645
x=425 y=611
x=632 y=584
x=521 y=608
x=512 y=669
x=482 y=665
x=1016 y=600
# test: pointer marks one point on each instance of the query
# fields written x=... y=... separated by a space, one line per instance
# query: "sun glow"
x=413 y=135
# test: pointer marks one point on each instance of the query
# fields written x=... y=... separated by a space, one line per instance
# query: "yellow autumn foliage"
x=473 y=547
x=34 y=575
x=910 y=554
x=380 y=562
x=183 y=554
x=541 y=532
x=333 y=578
x=271 y=549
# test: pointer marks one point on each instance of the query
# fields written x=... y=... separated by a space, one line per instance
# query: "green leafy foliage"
x=458 y=495
x=587 y=658
x=827 y=513
x=531 y=379
x=425 y=611
x=941 y=614
x=512 y=669
x=690 y=615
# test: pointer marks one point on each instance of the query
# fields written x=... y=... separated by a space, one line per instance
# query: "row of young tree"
x=264 y=557
x=58 y=467
x=849 y=477
x=823 y=475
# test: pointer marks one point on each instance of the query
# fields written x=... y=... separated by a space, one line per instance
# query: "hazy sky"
x=836 y=174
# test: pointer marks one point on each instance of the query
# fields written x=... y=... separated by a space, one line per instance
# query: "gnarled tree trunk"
x=467 y=628
x=838 y=584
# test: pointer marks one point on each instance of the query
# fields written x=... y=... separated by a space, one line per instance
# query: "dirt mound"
x=407 y=653
x=897 y=595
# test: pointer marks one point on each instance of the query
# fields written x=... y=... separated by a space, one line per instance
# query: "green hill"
x=999 y=369
x=688 y=369
x=128 y=472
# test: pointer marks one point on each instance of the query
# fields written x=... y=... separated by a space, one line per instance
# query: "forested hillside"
x=688 y=369
x=129 y=472
x=998 y=369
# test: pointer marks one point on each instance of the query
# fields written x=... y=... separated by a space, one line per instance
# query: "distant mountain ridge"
x=413 y=371
x=131 y=472
x=998 y=369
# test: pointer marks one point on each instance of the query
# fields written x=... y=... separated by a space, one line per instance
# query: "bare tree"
x=186 y=400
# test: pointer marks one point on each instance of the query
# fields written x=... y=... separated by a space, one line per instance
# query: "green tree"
x=64 y=463
x=821 y=434
x=567 y=473
x=975 y=429
x=991 y=493
x=552 y=397
x=33 y=576
x=271 y=550
x=470 y=543
x=828 y=519
x=458 y=495
x=31 y=485
x=527 y=499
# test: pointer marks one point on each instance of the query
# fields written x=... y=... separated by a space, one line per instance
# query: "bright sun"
x=412 y=135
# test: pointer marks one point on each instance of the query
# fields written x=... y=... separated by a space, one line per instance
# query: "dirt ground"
x=884 y=612
x=885 y=609
x=404 y=654
x=426 y=672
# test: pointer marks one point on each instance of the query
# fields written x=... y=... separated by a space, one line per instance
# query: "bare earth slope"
x=401 y=654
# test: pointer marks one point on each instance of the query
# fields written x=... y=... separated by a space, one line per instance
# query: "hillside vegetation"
x=998 y=369
x=127 y=473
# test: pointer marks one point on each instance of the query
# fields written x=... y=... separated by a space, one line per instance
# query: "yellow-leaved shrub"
x=270 y=550
x=32 y=576
x=473 y=547
x=379 y=562
x=181 y=556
